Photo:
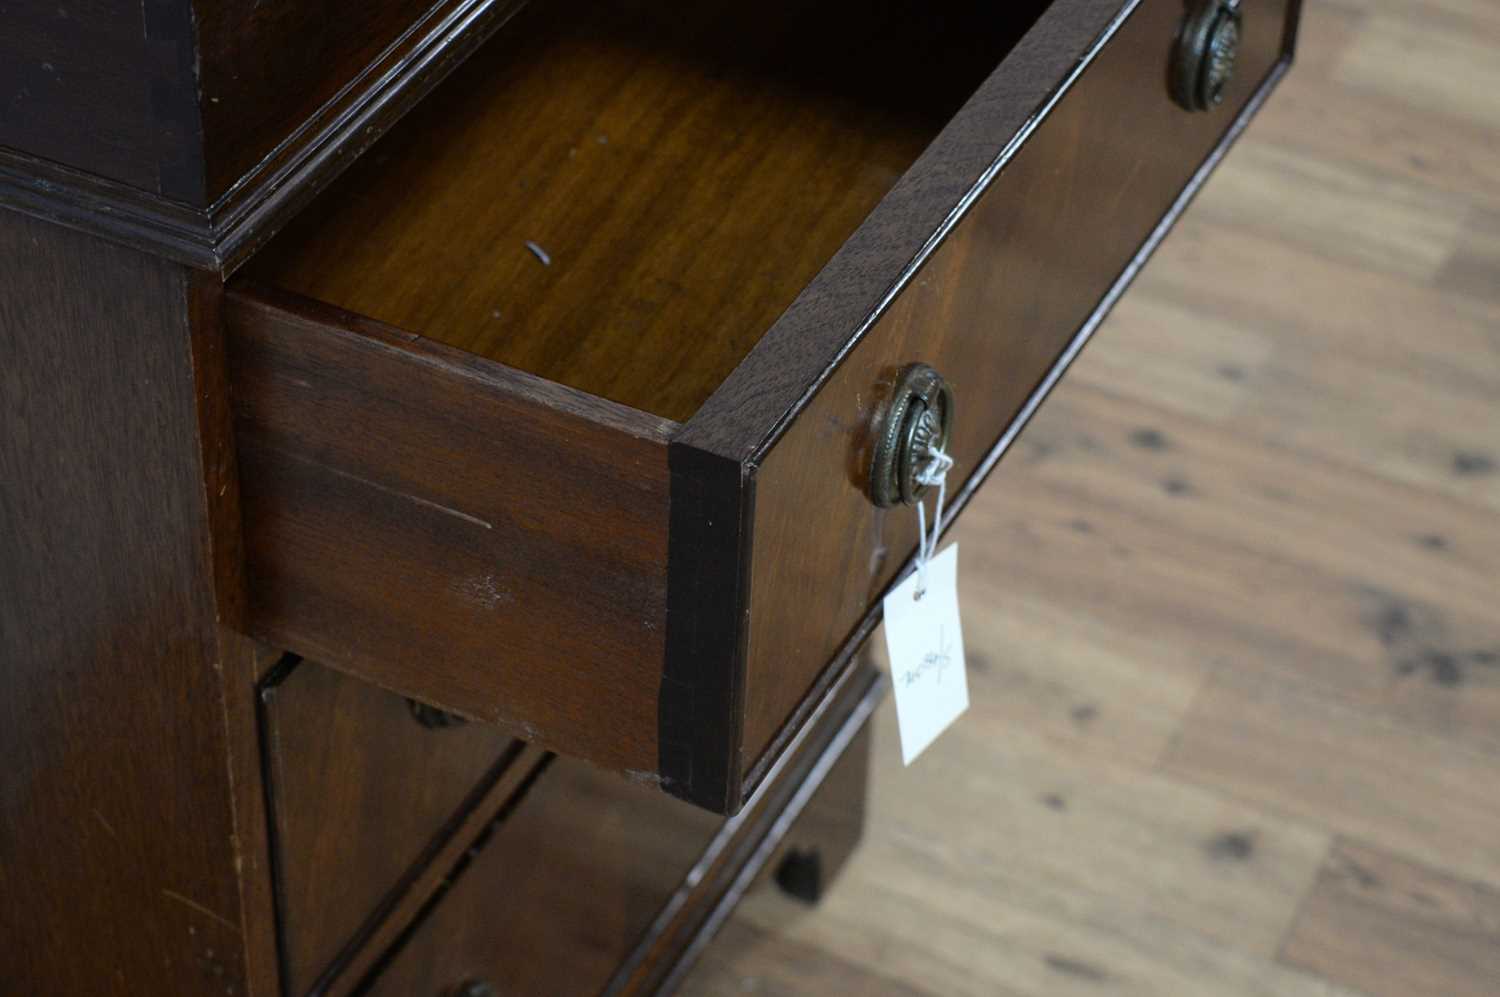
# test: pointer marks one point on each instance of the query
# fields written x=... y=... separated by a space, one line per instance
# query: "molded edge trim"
x=223 y=235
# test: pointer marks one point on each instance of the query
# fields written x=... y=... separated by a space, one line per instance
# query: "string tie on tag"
x=934 y=471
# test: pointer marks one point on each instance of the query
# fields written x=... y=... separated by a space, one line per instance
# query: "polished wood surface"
x=750 y=839
x=181 y=98
x=828 y=830
x=452 y=529
x=993 y=310
x=341 y=524
x=106 y=89
x=193 y=129
x=120 y=844
x=425 y=886
x=1230 y=605
x=589 y=884
x=360 y=793
x=622 y=197
x=268 y=68
x=562 y=892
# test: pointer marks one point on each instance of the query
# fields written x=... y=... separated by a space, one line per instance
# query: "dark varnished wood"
x=561 y=893
x=993 y=310
x=245 y=662
x=723 y=872
x=242 y=661
x=181 y=98
x=825 y=826
x=120 y=825
x=828 y=829
x=106 y=89
x=269 y=68
x=362 y=796
x=453 y=529
x=686 y=170
x=195 y=128
x=594 y=885
x=426 y=888
x=1007 y=239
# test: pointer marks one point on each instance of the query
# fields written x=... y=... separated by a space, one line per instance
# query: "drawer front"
x=562 y=892
x=998 y=309
x=594 y=885
x=363 y=788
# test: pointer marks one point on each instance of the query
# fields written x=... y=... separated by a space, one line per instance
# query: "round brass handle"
x=1203 y=60
x=919 y=418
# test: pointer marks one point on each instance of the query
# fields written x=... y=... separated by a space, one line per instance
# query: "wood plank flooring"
x=1233 y=604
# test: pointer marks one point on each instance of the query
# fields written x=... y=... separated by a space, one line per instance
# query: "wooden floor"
x=1233 y=604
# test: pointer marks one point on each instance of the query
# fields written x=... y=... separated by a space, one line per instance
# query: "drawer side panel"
x=451 y=529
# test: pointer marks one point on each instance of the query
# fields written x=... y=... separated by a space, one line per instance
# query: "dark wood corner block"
x=559 y=410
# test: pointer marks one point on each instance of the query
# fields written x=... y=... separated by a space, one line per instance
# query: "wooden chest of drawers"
x=565 y=421
x=554 y=375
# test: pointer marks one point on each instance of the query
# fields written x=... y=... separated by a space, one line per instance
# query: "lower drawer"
x=364 y=787
x=589 y=884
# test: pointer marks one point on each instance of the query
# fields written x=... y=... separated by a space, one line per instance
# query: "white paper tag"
x=926 y=647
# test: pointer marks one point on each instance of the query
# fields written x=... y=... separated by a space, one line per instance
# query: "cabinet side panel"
x=117 y=846
x=109 y=89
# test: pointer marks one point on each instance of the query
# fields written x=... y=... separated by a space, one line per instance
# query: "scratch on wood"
x=390 y=491
x=173 y=895
x=540 y=253
x=105 y=824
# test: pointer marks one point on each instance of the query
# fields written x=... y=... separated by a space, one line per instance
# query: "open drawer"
x=559 y=410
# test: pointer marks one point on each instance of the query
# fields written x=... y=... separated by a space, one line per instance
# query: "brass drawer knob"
x=918 y=420
x=1204 y=57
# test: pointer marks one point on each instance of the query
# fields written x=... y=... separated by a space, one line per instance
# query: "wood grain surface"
x=622 y=198
x=106 y=89
x=589 y=884
x=120 y=841
x=561 y=892
x=425 y=885
x=360 y=793
x=1392 y=927
x=993 y=310
x=194 y=129
x=1230 y=605
x=183 y=98
x=268 y=69
x=334 y=535
x=452 y=529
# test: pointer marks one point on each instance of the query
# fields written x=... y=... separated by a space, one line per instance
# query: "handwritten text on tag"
x=926 y=646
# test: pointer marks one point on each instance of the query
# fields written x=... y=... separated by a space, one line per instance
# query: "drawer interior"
x=622 y=196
